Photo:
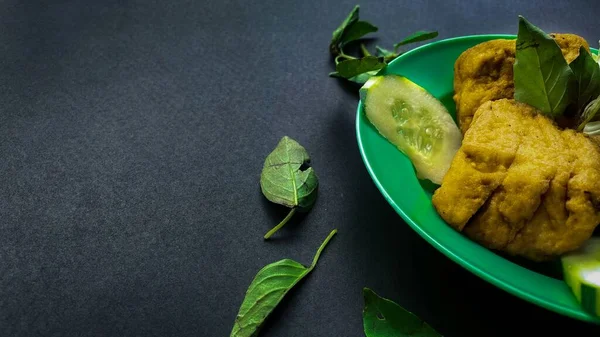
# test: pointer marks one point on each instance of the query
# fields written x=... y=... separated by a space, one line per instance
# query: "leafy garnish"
x=360 y=69
x=267 y=289
x=384 y=318
x=336 y=39
x=543 y=79
x=587 y=73
x=287 y=180
x=419 y=36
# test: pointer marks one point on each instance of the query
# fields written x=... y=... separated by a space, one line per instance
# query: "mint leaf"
x=267 y=289
x=350 y=68
x=384 y=318
x=587 y=73
x=543 y=78
x=285 y=181
x=419 y=36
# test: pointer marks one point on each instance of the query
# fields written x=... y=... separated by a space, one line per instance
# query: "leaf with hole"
x=287 y=179
x=267 y=289
x=587 y=73
x=543 y=79
x=384 y=318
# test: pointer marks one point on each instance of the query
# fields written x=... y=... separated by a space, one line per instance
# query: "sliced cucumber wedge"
x=581 y=270
x=414 y=121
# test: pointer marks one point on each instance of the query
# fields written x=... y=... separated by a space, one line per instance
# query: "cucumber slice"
x=581 y=270
x=414 y=121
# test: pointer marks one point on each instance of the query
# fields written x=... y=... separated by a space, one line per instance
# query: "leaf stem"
x=364 y=50
x=281 y=224
x=318 y=254
x=343 y=56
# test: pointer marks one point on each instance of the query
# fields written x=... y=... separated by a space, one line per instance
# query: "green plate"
x=432 y=67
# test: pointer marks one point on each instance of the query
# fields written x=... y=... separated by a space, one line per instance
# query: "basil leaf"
x=590 y=114
x=357 y=30
x=543 y=78
x=339 y=32
x=384 y=318
x=587 y=73
x=287 y=180
x=267 y=289
x=350 y=68
x=419 y=36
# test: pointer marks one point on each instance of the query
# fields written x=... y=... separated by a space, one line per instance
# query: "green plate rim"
x=462 y=261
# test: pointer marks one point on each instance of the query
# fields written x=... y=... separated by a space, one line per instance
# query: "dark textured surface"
x=132 y=135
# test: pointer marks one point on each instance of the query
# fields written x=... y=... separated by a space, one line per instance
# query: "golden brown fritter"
x=521 y=185
x=570 y=45
x=485 y=73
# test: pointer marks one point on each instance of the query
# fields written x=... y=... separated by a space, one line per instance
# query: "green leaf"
x=351 y=68
x=587 y=73
x=267 y=289
x=287 y=180
x=356 y=30
x=419 y=36
x=590 y=114
x=384 y=318
x=543 y=78
x=339 y=32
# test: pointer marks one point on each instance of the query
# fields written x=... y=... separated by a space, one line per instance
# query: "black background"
x=132 y=135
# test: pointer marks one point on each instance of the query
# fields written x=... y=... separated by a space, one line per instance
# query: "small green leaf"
x=350 y=68
x=587 y=73
x=339 y=32
x=287 y=180
x=357 y=30
x=543 y=78
x=419 y=36
x=267 y=289
x=384 y=318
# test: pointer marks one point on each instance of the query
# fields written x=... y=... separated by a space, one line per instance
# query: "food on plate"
x=414 y=121
x=521 y=185
x=582 y=273
x=522 y=174
x=485 y=73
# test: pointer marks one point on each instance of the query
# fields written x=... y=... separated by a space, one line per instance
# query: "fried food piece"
x=570 y=45
x=485 y=73
x=521 y=185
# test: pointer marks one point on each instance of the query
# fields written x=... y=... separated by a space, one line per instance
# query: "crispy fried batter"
x=485 y=73
x=521 y=185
